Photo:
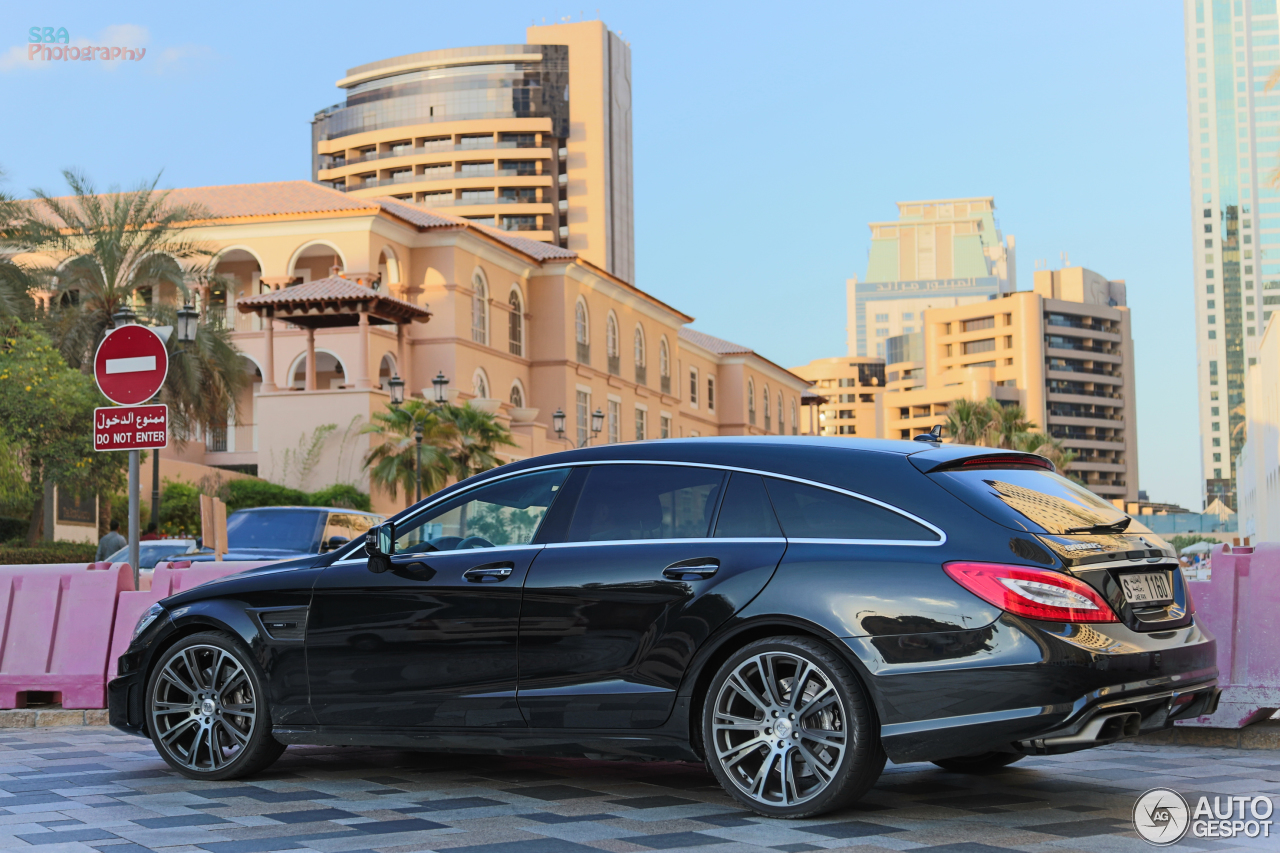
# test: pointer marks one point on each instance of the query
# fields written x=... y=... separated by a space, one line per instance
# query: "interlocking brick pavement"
x=87 y=789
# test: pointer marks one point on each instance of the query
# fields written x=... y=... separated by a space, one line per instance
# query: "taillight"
x=1034 y=593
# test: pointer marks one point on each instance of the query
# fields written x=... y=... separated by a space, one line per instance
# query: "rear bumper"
x=1033 y=687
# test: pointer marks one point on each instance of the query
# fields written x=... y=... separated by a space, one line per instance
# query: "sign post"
x=130 y=367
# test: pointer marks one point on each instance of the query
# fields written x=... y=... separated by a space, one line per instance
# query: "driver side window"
x=507 y=512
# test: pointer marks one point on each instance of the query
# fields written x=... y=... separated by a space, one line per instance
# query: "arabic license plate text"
x=1146 y=588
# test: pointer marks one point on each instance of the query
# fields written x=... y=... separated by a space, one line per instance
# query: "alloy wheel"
x=780 y=729
x=203 y=708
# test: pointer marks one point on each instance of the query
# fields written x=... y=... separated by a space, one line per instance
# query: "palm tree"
x=1043 y=444
x=968 y=421
x=206 y=377
x=1007 y=424
x=478 y=436
x=17 y=281
x=115 y=245
x=391 y=463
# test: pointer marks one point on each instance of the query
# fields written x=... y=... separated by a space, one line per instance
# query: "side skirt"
x=557 y=742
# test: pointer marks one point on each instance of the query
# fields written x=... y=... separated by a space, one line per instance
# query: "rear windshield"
x=1033 y=500
x=277 y=529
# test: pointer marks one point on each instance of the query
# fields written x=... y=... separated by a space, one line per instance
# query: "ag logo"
x=1161 y=817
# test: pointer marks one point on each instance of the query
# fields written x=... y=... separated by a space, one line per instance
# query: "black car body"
x=288 y=532
x=603 y=631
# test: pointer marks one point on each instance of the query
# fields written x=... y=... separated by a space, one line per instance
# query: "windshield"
x=295 y=530
x=150 y=553
x=1037 y=501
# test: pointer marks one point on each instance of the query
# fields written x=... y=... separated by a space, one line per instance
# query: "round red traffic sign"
x=130 y=365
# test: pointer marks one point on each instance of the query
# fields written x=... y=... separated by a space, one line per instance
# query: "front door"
x=434 y=640
x=652 y=562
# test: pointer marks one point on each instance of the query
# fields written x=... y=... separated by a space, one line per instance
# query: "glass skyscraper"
x=1233 y=47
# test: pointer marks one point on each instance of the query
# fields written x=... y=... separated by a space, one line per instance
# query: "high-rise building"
x=937 y=254
x=532 y=138
x=1232 y=49
x=853 y=388
x=1064 y=352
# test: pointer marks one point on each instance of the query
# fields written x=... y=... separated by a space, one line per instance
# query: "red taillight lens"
x=1034 y=593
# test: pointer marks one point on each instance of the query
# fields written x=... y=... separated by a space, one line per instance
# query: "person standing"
x=110 y=543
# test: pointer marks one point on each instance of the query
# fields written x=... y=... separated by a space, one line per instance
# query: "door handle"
x=489 y=573
x=692 y=570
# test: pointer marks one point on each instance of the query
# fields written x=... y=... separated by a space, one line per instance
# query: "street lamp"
x=417 y=460
x=187 y=317
x=396 y=384
x=124 y=316
x=557 y=423
x=597 y=423
x=439 y=384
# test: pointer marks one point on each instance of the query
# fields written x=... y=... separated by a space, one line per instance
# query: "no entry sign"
x=130 y=365
x=130 y=428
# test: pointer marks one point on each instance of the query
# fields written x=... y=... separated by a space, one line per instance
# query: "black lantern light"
x=396 y=386
x=597 y=421
x=187 y=317
x=124 y=316
x=439 y=384
x=557 y=422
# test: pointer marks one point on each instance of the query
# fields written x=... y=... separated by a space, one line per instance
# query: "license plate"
x=1146 y=587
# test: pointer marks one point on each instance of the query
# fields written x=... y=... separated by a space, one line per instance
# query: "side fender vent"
x=285 y=623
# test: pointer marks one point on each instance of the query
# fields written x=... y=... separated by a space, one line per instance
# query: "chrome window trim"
x=942 y=535
x=691 y=540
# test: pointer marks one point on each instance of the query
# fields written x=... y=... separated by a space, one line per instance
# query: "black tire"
x=781 y=761
x=207 y=709
x=981 y=763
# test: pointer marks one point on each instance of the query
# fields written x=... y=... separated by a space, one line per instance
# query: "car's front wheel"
x=788 y=730
x=207 y=710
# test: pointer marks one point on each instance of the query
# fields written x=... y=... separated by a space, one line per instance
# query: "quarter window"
x=622 y=502
x=746 y=513
x=808 y=512
x=503 y=513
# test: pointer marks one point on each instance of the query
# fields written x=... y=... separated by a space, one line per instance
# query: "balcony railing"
x=447 y=176
x=450 y=201
x=664 y=384
x=478 y=145
x=1074 y=322
x=1077 y=344
x=584 y=353
x=642 y=376
x=1070 y=412
x=215 y=439
x=614 y=365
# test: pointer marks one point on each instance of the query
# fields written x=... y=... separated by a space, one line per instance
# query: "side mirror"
x=380 y=544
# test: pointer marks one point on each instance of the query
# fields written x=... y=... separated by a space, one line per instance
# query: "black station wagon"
x=791 y=611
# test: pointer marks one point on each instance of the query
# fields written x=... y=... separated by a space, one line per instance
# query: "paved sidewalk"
x=93 y=788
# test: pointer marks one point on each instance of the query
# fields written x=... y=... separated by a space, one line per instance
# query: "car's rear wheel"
x=981 y=763
x=207 y=710
x=788 y=730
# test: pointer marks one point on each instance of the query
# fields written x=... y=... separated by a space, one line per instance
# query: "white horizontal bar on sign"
x=137 y=364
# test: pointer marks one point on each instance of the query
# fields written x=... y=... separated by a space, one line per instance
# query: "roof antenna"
x=934 y=434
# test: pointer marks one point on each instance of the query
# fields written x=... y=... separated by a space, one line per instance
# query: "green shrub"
x=48 y=552
x=179 y=509
x=249 y=493
x=341 y=495
x=13 y=528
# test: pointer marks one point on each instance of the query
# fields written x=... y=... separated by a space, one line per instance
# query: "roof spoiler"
x=983 y=461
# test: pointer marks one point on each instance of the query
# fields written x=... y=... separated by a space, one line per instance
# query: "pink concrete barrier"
x=167 y=579
x=55 y=631
x=1240 y=605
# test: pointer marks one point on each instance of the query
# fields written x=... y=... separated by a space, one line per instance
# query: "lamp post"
x=597 y=424
x=396 y=384
x=438 y=385
x=124 y=316
x=187 y=317
x=557 y=423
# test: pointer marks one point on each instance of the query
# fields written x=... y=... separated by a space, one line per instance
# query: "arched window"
x=795 y=418
x=751 y=402
x=479 y=309
x=612 y=345
x=517 y=395
x=639 y=346
x=580 y=322
x=664 y=358
x=782 y=425
x=480 y=384
x=515 y=323
x=764 y=398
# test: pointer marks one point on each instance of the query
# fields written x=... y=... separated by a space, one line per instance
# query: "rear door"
x=651 y=562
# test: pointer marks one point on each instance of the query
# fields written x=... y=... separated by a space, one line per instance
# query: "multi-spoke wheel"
x=207 y=713
x=787 y=730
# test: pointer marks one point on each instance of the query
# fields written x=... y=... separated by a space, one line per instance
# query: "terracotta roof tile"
x=711 y=343
x=334 y=289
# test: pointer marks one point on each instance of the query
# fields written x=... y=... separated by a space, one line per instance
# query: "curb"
x=1262 y=735
x=31 y=718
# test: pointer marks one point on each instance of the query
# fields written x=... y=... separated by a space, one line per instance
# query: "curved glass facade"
x=483 y=90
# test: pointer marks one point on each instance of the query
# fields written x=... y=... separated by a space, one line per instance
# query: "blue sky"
x=766 y=137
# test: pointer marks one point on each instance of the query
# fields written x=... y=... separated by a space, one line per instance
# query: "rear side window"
x=808 y=512
x=620 y=502
x=746 y=512
x=1033 y=500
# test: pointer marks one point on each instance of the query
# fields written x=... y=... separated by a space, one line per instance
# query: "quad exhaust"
x=1100 y=730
